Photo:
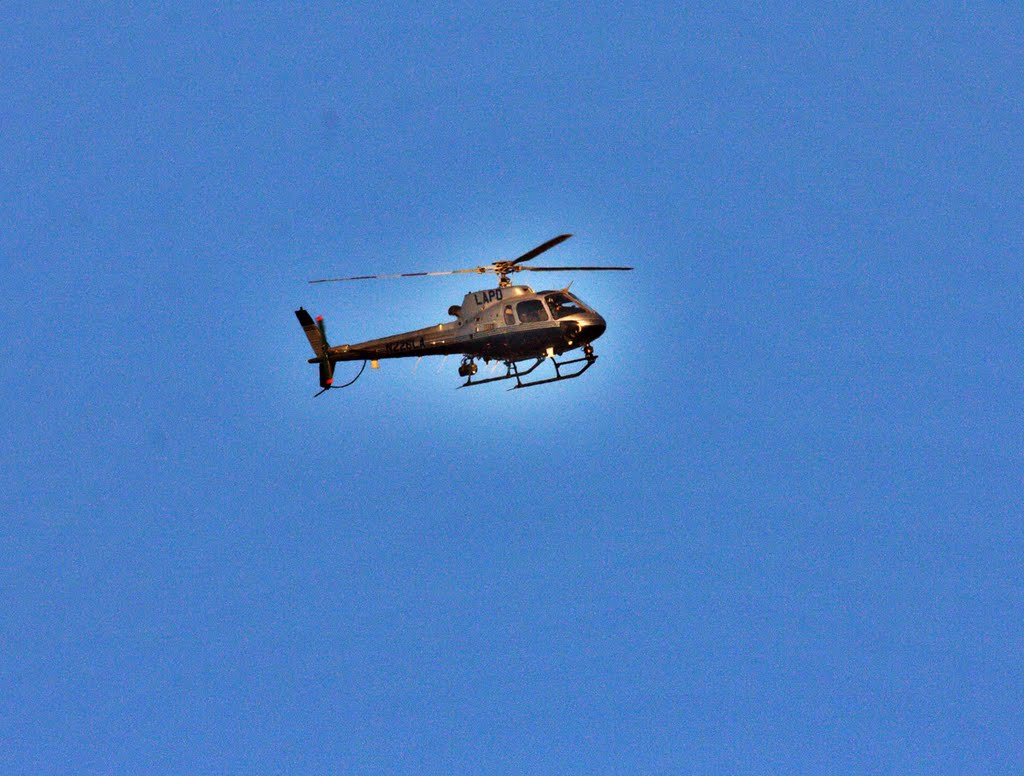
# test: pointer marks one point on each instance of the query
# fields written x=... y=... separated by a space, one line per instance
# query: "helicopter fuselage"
x=510 y=323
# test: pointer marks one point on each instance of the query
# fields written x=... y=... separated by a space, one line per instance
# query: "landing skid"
x=513 y=372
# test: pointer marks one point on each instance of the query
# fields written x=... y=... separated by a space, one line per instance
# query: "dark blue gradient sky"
x=776 y=528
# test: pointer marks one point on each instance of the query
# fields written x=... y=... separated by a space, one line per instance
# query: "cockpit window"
x=531 y=311
x=562 y=304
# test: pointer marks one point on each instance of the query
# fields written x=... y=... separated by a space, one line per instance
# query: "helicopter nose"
x=593 y=329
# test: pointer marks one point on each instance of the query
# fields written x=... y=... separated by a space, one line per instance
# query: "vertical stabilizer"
x=317 y=336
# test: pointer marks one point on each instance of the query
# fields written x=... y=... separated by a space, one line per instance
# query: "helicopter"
x=511 y=324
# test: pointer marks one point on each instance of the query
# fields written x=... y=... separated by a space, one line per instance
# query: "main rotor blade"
x=573 y=269
x=476 y=271
x=540 y=249
x=499 y=268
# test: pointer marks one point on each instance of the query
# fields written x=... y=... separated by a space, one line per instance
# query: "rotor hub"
x=503 y=269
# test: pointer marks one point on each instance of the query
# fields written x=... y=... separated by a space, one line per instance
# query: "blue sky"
x=776 y=528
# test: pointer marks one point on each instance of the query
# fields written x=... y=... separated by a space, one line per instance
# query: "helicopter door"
x=531 y=311
x=510 y=319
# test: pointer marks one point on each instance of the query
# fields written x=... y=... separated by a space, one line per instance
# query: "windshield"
x=561 y=305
